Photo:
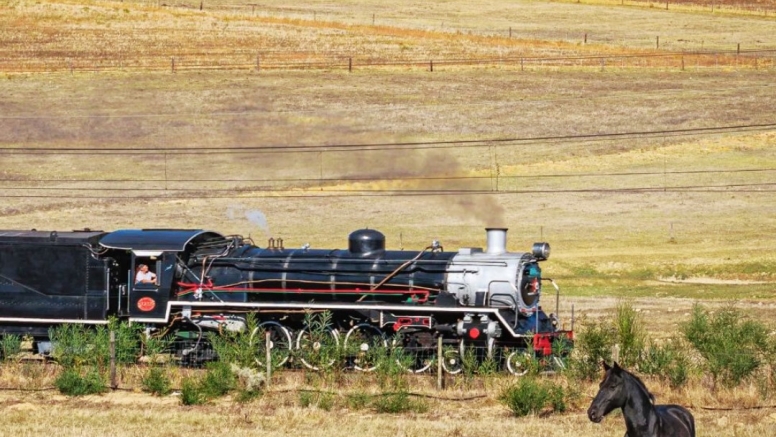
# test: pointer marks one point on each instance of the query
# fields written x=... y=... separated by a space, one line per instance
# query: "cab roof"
x=157 y=239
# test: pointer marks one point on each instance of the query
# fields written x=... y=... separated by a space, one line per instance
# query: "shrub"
x=400 y=402
x=732 y=346
x=218 y=380
x=592 y=345
x=239 y=347
x=80 y=345
x=630 y=334
x=10 y=345
x=358 y=401
x=156 y=381
x=669 y=362
x=71 y=383
x=191 y=393
x=530 y=395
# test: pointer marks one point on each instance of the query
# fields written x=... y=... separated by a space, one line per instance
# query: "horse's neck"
x=638 y=410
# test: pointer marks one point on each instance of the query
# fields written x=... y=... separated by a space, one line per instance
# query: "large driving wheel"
x=452 y=359
x=279 y=343
x=318 y=349
x=416 y=352
x=519 y=362
x=364 y=346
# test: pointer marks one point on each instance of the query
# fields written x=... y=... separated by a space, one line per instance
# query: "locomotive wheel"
x=318 y=349
x=414 y=356
x=363 y=344
x=519 y=362
x=452 y=360
x=279 y=343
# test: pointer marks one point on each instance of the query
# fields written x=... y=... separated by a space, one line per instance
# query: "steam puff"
x=254 y=216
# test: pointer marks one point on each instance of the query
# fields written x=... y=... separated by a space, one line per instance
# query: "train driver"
x=143 y=275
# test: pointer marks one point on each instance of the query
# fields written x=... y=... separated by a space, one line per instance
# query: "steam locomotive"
x=204 y=281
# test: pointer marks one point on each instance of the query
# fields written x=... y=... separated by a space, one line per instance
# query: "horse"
x=622 y=389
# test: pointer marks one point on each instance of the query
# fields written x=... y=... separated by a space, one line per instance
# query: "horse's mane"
x=641 y=384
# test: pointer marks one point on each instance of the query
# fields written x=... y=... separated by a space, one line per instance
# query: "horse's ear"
x=606 y=366
x=616 y=367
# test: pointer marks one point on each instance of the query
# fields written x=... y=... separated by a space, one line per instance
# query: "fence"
x=258 y=62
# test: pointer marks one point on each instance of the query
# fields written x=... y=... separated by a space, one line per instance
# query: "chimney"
x=497 y=241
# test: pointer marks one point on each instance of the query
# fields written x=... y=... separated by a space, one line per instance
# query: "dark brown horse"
x=622 y=389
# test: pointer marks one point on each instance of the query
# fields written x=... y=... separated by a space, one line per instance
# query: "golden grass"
x=100 y=35
x=128 y=412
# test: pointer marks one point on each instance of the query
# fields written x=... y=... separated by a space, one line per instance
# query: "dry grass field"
x=652 y=174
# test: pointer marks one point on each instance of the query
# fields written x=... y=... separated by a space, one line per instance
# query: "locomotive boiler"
x=488 y=299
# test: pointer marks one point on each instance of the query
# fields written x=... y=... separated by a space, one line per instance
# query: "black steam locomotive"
x=196 y=281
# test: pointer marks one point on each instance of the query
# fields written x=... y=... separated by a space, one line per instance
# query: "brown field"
x=638 y=141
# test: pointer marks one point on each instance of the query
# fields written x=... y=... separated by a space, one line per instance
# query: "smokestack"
x=497 y=240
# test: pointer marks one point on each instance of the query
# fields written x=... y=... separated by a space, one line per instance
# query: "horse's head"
x=611 y=393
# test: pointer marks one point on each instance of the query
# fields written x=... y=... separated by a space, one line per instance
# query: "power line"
x=385 y=178
x=768 y=187
x=418 y=145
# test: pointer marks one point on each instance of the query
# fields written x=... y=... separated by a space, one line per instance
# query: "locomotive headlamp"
x=541 y=251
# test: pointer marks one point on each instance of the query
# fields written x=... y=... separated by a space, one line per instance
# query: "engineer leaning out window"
x=143 y=275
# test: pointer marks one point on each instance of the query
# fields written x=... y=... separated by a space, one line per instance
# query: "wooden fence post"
x=258 y=61
x=440 y=370
x=521 y=65
x=172 y=64
x=350 y=65
x=431 y=65
x=113 y=383
x=657 y=42
x=268 y=349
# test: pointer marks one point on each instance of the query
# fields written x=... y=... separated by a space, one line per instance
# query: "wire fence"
x=277 y=61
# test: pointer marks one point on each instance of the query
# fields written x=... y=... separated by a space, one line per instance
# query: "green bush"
x=592 y=345
x=732 y=346
x=669 y=362
x=80 y=345
x=239 y=347
x=156 y=381
x=191 y=392
x=72 y=383
x=400 y=402
x=10 y=345
x=391 y=370
x=218 y=380
x=358 y=401
x=630 y=335
x=530 y=395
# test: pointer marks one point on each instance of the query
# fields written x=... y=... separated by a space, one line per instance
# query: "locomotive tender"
x=206 y=281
